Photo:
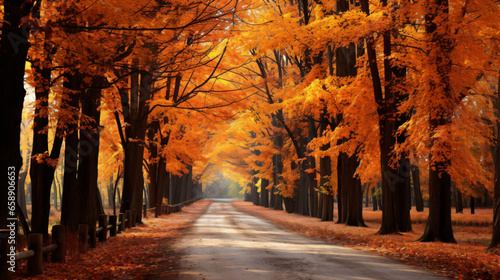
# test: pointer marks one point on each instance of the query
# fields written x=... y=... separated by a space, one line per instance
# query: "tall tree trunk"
x=290 y=204
x=326 y=203
x=419 y=201
x=184 y=188
x=247 y=196
x=133 y=181
x=403 y=193
x=457 y=197
x=110 y=192
x=254 y=190
x=264 y=193
x=54 y=195
x=439 y=227
x=162 y=183
x=348 y=192
x=277 y=164
x=387 y=127
x=303 y=185
x=71 y=201
x=40 y=170
x=403 y=187
x=13 y=52
x=354 y=215
x=374 y=200
x=278 y=170
x=367 y=195
x=349 y=188
x=495 y=237
x=21 y=194
x=325 y=170
x=146 y=84
x=88 y=153
x=311 y=176
x=154 y=163
x=132 y=155
x=341 y=189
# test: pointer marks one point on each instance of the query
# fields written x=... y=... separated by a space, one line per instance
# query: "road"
x=227 y=244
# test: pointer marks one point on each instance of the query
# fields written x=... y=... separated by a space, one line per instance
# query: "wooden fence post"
x=59 y=238
x=35 y=263
x=103 y=223
x=5 y=251
x=128 y=214
x=134 y=217
x=83 y=232
x=121 y=218
x=92 y=236
x=112 y=222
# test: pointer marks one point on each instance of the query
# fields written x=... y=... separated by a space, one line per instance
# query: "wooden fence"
x=57 y=250
x=86 y=237
x=112 y=224
x=169 y=208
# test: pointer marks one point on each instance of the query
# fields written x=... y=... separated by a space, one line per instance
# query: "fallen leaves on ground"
x=466 y=260
x=142 y=252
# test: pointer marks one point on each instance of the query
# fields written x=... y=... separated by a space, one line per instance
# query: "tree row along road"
x=227 y=244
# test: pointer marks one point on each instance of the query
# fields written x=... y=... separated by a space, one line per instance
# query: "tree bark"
x=278 y=170
x=457 y=196
x=311 y=176
x=495 y=237
x=439 y=227
x=419 y=202
x=41 y=172
x=387 y=127
x=264 y=193
x=374 y=200
x=341 y=189
x=71 y=202
x=13 y=52
x=277 y=164
x=254 y=191
x=325 y=170
x=403 y=187
x=133 y=181
x=88 y=153
x=367 y=196
x=154 y=162
x=56 y=204
x=21 y=194
x=354 y=214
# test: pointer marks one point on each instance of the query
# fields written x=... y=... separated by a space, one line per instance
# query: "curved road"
x=227 y=244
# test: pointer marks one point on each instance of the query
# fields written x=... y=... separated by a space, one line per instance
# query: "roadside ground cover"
x=466 y=260
x=143 y=252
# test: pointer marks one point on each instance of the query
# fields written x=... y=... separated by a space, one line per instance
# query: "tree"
x=386 y=101
x=13 y=52
x=495 y=238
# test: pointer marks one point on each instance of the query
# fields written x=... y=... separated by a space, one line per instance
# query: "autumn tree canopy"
x=306 y=104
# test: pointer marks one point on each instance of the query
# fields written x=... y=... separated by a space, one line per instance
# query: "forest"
x=308 y=106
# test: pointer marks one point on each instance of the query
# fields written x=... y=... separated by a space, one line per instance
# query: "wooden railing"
x=112 y=224
x=169 y=208
x=36 y=250
x=34 y=255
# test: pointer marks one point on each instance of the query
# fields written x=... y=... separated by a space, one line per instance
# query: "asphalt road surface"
x=227 y=244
